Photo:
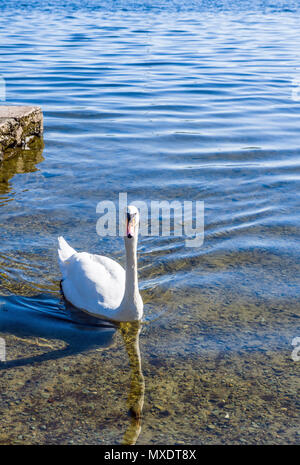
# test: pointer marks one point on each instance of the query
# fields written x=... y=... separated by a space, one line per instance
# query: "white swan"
x=99 y=285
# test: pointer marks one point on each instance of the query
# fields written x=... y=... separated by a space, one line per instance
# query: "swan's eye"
x=130 y=216
x=130 y=225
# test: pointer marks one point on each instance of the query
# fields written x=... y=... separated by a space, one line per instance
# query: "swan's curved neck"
x=131 y=282
x=131 y=307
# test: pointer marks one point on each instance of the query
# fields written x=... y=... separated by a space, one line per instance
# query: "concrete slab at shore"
x=18 y=126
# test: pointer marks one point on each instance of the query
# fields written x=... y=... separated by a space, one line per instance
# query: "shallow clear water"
x=164 y=101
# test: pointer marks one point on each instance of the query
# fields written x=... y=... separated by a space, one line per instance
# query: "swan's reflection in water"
x=32 y=318
x=130 y=332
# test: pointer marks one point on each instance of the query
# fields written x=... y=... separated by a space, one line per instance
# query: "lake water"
x=168 y=101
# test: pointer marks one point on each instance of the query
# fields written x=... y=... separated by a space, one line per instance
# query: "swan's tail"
x=64 y=252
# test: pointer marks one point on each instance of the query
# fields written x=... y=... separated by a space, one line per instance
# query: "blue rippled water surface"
x=163 y=100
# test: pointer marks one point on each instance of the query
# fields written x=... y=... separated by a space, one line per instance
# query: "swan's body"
x=99 y=285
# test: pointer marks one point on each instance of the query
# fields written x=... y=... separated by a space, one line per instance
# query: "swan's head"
x=132 y=221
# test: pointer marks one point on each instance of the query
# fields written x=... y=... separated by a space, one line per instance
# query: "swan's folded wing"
x=65 y=251
x=93 y=282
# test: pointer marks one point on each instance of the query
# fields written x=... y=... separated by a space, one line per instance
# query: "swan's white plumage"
x=99 y=285
x=91 y=282
x=64 y=252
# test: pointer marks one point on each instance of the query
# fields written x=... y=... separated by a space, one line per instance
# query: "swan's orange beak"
x=130 y=226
